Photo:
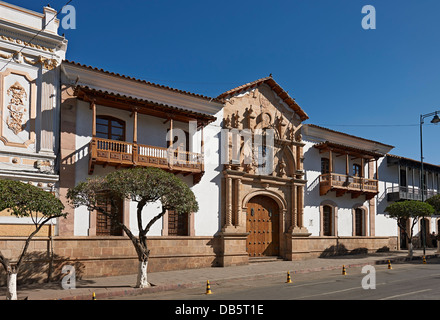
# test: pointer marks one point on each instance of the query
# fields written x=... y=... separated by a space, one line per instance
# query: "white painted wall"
x=384 y=226
x=152 y=131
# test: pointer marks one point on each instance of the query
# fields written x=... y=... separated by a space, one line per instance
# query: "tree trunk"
x=410 y=249
x=11 y=287
x=142 y=281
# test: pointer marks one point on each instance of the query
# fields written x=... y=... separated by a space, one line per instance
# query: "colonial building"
x=343 y=174
x=110 y=122
x=267 y=183
x=29 y=100
x=401 y=180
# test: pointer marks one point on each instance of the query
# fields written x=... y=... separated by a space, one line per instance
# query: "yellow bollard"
x=288 y=277
x=208 y=288
x=389 y=265
x=424 y=260
x=93 y=296
x=344 y=272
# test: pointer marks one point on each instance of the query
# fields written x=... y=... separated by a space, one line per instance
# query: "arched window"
x=108 y=127
x=327 y=220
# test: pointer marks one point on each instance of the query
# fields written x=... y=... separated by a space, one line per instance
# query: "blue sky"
x=370 y=83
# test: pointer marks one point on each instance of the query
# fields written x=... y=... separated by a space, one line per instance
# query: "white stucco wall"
x=345 y=203
x=152 y=131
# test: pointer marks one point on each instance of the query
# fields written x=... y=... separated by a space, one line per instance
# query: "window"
x=357 y=170
x=403 y=178
x=105 y=225
x=111 y=128
x=359 y=222
x=327 y=221
x=177 y=224
x=325 y=165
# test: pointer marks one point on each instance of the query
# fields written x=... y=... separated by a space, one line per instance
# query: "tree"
x=404 y=210
x=144 y=186
x=435 y=203
x=25 y=200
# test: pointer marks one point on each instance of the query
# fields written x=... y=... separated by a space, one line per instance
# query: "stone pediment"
x=260 y=110
x=261 y=106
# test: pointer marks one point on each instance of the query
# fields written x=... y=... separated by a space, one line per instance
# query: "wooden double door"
x=262 y=223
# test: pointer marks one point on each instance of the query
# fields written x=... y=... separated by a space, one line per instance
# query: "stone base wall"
x=111 y=256
x=105 y=256
x=313 y=247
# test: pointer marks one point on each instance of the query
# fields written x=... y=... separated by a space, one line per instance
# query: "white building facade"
x=322 y=192
x=30 y=100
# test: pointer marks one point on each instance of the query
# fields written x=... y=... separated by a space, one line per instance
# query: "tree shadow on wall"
x=39 y=268
x=341 y=250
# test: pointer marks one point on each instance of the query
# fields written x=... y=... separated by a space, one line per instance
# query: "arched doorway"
x=263 y=224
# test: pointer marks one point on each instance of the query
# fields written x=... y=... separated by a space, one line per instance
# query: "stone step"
x=264 y=259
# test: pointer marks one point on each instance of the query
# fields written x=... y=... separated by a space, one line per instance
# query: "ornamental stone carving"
x=17 y=108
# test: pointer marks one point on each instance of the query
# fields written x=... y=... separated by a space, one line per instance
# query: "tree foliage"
x=405 y=210
x=25 y=200
x=141 y=185
x=409 y=209
x=435 y=203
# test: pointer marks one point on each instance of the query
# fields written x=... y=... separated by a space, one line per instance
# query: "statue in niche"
x=282 y=168
x=280 y=125
x=235 y=120
x=249 y=116
x=227 y=122
x=291 y=133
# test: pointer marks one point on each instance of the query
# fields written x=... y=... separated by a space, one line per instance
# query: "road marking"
x=326 y=293
x=405 y=294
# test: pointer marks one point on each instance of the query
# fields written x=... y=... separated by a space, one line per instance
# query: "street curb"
x=194 y=284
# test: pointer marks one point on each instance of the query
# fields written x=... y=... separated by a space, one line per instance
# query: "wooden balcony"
x=342 y=184
x=127 y=154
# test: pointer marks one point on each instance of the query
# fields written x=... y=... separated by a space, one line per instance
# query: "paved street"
x=406 y=280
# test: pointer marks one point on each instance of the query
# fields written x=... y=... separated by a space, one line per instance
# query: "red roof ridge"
x=142 y=81
x=275 y=87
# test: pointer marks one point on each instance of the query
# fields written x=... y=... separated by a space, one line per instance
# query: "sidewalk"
x=171 y=280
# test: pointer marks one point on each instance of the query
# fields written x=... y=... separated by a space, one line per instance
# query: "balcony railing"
x=127 y=154
x=342 y=183
x=409 y=193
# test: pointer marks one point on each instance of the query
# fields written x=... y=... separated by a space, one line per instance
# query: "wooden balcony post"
x=202 y=150
x=170 y=148
x=135 y=125
x=135 y=146
x=362 y=174
x=93 y=107
x=330 y=161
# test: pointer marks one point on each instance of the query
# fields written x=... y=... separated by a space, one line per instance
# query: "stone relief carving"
x=17 y=108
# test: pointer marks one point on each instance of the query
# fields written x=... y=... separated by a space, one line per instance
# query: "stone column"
x=48 y=105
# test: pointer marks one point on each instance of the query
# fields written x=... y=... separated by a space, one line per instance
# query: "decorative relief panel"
x=17 y=109
x=18 y=94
